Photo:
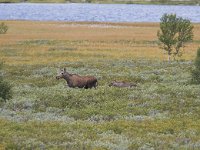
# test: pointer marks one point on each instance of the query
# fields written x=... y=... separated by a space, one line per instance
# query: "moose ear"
x=64 y=69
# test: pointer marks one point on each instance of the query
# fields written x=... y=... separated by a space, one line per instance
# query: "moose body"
x=74 y=80
x=122 y=84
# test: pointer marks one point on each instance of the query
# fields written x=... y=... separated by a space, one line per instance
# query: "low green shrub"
x=5 y=92
x=3 y=28
x=5 y=88
x=196 y=71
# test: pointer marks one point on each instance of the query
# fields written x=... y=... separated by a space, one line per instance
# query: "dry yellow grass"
x=92 y=40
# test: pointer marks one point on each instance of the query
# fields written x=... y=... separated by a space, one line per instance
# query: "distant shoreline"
x=147 y=2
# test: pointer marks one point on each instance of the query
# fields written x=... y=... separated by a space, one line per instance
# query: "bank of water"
x=95 y=12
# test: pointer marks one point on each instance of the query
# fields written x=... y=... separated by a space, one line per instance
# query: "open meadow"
x=162 y=112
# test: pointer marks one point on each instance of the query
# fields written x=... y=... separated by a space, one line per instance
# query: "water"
x=95 y=12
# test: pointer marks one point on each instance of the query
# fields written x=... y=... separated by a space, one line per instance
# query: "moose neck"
x=67 y=77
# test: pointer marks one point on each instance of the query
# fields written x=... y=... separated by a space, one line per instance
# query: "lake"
x=95 y=12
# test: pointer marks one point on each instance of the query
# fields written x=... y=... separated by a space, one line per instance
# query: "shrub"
x=196 y=71
x=5 y=92
x=3 y=28
x=5 y=89
x=175 y=33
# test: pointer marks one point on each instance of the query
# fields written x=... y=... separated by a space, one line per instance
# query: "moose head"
x=62 y=73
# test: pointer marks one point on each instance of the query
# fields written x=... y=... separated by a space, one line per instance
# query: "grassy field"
x=162 y=112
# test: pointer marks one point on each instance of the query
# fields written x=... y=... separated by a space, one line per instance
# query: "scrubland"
x=162 y=112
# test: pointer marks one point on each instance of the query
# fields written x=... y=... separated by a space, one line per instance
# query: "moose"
x=74 y=80
x=122 y=84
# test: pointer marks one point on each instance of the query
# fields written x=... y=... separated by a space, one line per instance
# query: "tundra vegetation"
x=161 y=112
x=5 y=92
x=3 y=28
x=196 y=70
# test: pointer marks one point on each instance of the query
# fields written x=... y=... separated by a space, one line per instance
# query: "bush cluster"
x=196 y=71
x=5 y=88
x=3 y=28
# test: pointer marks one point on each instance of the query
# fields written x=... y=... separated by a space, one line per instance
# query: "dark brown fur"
x=74 y=80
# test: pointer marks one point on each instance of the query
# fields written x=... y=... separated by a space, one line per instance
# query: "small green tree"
x=196 y=71
x=3 y=28
x=174 y=33
x=5 y=88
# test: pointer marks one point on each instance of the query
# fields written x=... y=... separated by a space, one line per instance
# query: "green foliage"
x=5 y=88
x=196 y=71
x=175 y=33
x=5 y=92
x=3 y=28
x=157 y=114
x=162 y=112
